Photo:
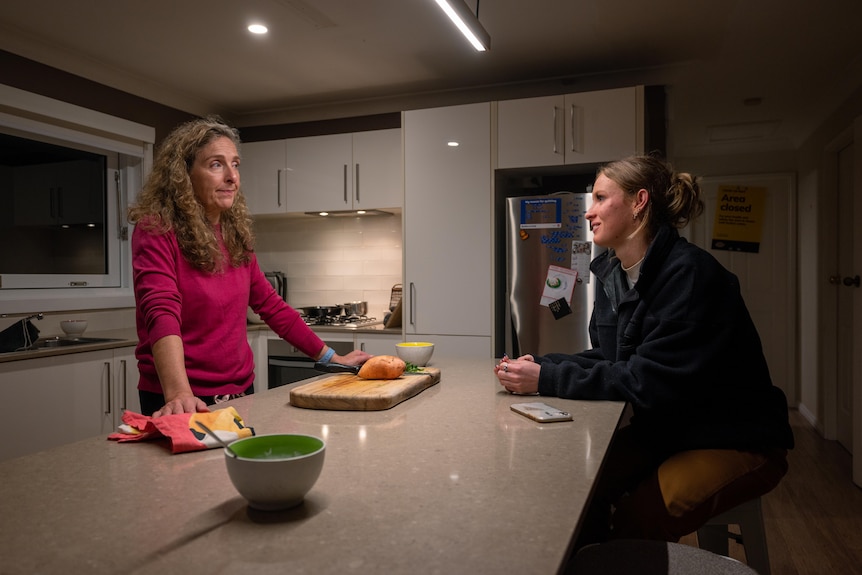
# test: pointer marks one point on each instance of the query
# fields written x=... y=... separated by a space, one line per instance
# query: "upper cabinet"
x=344 y=171
x=319 y=174
x=378 y=180
x=588 y=127
x=361 y=170
x=260 y=176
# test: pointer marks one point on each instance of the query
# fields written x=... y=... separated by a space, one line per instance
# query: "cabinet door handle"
x=554 y=132
x=412 y=302
x=356 y=184
x=278 y=188
x=576 y=127
x=345 y=183
x=123 y=383
x=362 y=346
x=108 y=387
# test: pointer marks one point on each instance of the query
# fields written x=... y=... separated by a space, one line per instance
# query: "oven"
x=289 y=365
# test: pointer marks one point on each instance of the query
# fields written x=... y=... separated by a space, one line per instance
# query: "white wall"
x=331 y=261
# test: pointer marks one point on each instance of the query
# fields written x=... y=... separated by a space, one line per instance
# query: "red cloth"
x=181 y=430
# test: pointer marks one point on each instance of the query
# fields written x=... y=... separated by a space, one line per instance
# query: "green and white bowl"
x=275 y=472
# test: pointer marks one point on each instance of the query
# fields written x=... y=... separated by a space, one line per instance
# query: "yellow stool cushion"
x=692 y=479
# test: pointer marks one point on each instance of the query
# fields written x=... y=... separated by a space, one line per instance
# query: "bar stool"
x=714 y=534
x=646 y=557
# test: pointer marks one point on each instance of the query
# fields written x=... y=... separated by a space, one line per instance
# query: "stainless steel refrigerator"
x=549 y=294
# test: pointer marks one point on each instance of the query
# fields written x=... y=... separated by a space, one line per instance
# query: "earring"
x=635 y=215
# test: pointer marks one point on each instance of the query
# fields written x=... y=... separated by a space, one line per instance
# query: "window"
x=66 y=177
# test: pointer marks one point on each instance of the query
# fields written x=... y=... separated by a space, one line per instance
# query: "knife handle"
x=336 y=368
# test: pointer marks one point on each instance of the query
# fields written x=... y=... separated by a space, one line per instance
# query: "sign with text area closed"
x=739 y=215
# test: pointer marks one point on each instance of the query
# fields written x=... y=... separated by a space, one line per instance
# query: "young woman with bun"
x=672 y=337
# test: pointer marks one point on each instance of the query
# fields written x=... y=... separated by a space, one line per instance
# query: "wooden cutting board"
x=348 y=392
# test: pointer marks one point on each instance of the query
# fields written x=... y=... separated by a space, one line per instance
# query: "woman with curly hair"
x=672 y=337
x=196 y=274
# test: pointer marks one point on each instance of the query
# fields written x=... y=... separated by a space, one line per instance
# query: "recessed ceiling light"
x=453 y=144
x=257 y=29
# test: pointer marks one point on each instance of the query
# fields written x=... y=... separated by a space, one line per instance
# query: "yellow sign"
x=739 y=216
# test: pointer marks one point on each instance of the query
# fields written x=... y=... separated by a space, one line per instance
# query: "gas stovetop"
x=345 y=321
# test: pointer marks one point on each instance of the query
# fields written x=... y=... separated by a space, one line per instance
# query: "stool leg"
x=754 y=541
x=713 y=538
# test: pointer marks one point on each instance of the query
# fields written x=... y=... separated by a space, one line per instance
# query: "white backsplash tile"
x=331 y=261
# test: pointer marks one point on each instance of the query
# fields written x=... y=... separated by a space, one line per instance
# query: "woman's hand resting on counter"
x=355 y=357
x=183 y=404
x=518 y=375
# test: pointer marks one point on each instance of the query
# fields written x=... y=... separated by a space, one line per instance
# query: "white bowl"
x=275 y=472
x=416 y=352
x=73 y=326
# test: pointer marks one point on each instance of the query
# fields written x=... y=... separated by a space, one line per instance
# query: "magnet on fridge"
x=560 y=308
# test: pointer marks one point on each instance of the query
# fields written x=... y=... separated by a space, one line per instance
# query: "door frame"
x=827 y=302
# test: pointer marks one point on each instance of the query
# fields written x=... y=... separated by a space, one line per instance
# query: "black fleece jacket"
x=681 y=348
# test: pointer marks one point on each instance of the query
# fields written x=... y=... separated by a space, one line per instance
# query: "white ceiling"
x=335 y=58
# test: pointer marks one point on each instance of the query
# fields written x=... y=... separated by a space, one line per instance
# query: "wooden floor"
x=813 y=518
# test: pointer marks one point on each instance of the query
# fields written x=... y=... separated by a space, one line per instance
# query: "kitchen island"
x=449 y=481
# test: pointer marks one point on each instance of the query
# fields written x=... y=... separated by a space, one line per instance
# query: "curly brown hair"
x=167 y=201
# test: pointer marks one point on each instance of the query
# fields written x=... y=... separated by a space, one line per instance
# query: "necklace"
x=633 y=266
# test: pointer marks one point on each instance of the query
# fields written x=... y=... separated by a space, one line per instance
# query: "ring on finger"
x=506 y=367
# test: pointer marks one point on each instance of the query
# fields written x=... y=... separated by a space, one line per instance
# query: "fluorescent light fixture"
x=467 y=23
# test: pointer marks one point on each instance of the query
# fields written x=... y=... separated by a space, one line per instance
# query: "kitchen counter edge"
x=126 y=337
x=378 y=329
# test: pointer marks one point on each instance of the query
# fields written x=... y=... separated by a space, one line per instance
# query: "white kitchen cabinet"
x=257 y=341
x=343 y=171
x=65 y=398
x=377 y=344
x=378 y=180
x=587 y=127
x=261 y=173
x=447 y=222
x=122 y=381
x=457 y=345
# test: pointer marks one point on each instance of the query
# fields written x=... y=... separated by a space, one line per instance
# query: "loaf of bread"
x=382 y=367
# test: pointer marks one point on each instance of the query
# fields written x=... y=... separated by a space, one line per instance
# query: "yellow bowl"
x=416 y=352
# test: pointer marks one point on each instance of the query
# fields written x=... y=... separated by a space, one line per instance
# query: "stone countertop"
x=371 y=329
x=129 y=337
x=120 y=338
x=449 y=481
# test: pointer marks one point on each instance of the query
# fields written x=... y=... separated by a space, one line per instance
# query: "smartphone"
x=541 y=412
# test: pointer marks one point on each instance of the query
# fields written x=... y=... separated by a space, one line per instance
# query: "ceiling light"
x=467 y=22
x=257 y=29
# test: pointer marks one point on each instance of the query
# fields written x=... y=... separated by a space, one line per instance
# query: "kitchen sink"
x=52 y=342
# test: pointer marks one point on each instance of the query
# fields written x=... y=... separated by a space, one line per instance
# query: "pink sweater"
x=208 y=311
